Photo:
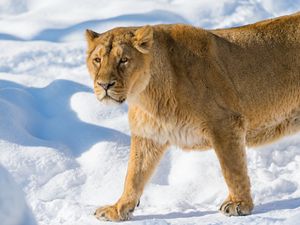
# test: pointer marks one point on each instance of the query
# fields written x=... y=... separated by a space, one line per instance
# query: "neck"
x=158 y=98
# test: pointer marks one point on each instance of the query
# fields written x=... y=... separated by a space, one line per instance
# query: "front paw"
x=241 y=208
x=113 y=213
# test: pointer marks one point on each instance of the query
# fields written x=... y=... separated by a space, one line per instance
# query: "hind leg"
x=229 y=144
x=269 y=134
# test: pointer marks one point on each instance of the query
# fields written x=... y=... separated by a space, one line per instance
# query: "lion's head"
x=118 y=62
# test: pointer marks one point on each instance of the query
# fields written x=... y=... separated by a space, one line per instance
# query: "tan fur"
x=200 y=89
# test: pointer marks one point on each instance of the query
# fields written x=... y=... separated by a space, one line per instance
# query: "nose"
x=106 y=86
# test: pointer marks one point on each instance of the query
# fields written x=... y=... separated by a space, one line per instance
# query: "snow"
x=63 y=154
x=13 y=207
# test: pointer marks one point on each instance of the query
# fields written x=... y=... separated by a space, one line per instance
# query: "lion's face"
x=118 y=62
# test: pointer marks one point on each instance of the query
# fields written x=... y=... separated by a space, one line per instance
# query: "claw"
x=238 y=209
x=225 y=207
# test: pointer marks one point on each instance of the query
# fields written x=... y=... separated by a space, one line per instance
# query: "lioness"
x=199 y=89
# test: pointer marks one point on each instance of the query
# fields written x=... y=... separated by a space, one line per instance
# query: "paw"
x=111 y=213
x=230 y=208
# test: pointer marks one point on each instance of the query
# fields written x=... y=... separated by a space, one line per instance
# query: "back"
x=263 y=62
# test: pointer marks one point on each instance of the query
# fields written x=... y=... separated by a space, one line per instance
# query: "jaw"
x=108 y=100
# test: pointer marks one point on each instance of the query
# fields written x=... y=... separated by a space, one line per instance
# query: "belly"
x=185 y=136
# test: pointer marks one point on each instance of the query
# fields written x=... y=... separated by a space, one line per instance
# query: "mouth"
x=107 y=98
x=116 y=100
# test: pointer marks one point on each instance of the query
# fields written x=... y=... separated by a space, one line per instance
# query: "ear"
x=90 y=36
x=143 y=39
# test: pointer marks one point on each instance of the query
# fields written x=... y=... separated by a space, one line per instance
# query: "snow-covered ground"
x=63 y=154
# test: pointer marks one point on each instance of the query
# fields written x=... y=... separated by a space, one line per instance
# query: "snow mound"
x=13 y=207
x=49 y=20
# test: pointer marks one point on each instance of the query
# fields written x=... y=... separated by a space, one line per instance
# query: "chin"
x=107 y=100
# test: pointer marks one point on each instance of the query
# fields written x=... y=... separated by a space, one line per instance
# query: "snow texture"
x=13 y=207
x=63 y=154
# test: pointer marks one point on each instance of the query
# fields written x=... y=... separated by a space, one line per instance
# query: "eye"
x=124 y=60
x=97 y=60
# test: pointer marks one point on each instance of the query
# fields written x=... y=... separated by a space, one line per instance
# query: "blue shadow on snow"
x=292 y=203
x=49 y=119
x=174 y=215
x=56 y=35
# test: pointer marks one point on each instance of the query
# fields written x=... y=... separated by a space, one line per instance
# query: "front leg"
x=229 y=145
x=144 y=157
